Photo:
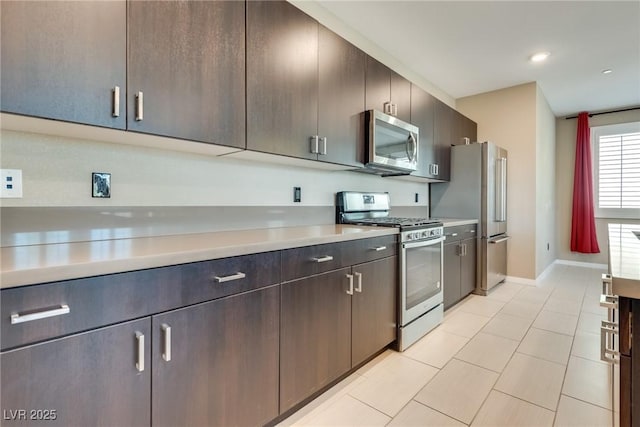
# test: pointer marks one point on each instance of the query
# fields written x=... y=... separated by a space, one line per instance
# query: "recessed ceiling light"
x=539 y=57
x=607 y=71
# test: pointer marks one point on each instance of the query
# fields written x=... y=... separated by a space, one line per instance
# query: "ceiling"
x=470 y=47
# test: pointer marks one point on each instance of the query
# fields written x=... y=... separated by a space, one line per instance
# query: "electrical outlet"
x=101 y=185
x=11 y=180
x=297 y=194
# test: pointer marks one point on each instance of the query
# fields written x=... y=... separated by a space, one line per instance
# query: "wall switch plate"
x=101 y=185
x=11 y=183
x=297 y=194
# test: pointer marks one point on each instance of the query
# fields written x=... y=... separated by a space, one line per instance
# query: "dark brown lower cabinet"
x=460 y=263
x=217 y=365
x=315 y=334
x=374 y=308
x=92 y=378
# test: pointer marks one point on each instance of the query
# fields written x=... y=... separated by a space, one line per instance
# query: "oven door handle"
x=423 y=243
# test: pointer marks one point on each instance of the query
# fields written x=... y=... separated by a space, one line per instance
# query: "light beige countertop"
x=25 y=265
x=624 y=259
x=453 y=222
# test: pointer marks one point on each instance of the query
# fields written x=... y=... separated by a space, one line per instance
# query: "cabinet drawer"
x=41 y=312
x=310 y=260
x=365 y=250
x=207 y=280
x=460 y=232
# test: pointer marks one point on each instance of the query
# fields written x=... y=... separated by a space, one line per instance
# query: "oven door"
x=421 y=278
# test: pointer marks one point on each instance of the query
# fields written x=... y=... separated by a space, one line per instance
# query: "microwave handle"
x=414 y=147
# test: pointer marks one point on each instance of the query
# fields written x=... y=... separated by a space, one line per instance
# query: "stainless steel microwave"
x=392 y=145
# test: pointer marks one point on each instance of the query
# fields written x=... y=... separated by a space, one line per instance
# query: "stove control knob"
x=425 y=234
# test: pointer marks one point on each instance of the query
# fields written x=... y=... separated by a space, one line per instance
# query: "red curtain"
x=583 y=224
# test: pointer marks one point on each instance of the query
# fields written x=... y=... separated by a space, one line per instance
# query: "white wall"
x=57 y=172
x=565 y=164
x=545 y=184
x=507 y=117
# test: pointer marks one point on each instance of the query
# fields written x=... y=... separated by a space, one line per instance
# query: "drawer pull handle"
x=350 y=290
x=359 y=287
x=21 y=318
x=609 y=301
x=221 y=279
x=140 y=361
x=323 y=259
x=380 y=248
x=608 y=353
x=606 y=284
x=166 y=353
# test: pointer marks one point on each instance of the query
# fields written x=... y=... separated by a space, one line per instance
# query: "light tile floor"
x=522 y=356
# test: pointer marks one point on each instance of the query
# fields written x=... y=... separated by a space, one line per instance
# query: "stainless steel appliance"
x=392 y=145
x=478 y=189
x=420 y=297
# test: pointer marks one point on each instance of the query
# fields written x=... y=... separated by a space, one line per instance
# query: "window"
x=616 y=151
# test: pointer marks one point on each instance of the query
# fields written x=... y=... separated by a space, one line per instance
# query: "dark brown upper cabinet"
x=423 y=107
x=341 y=73
x=282 y=79
x=186 y=70
x=465 y=128
x=387 y=91
x=443 y=138
x=64 y=61
x=305 y=87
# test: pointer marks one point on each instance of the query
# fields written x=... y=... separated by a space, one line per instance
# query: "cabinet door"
x=423 y=107
x=401 y=96
x=374 y=308
x=315 y=334
x=187 y=59
x=443 y=137
x=86 y=379
x=341 y=99
x=468 y=265
x=378 y=85
x=61 y=60
x=223 y=362
x=282 y=79
x=451 y=275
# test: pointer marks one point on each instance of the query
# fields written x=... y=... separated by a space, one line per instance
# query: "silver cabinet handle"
x=314 y=144
x=504 y=239
x=394 y=109
x=323 y=259
x=323 y=146
x=350 y=290
x=221 y=279
x=139 y=106
x=608 y=330
x=116 y=101
x=21 y=318
x=140 y=361
x=609 y=301
x=359 y=287
x=380 y=248
x=166 y=353
x=454 y=234
x=387 y=108
x=606 y=284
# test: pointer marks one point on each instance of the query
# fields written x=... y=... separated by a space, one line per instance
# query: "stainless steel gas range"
x=420 y=299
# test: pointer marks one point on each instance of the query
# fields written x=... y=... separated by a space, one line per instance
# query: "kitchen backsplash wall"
x=229 y=193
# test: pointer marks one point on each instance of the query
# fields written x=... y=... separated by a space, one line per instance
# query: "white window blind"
x=617 y=170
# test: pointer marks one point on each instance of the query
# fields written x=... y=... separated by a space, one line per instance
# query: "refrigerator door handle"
x=503 y=239
x=501 y=189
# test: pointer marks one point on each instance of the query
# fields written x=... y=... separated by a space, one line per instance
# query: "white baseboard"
x=520 y=280
x=547 y=271
x=582 y=264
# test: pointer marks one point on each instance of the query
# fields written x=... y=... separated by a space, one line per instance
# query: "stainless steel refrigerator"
x=478 y=189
